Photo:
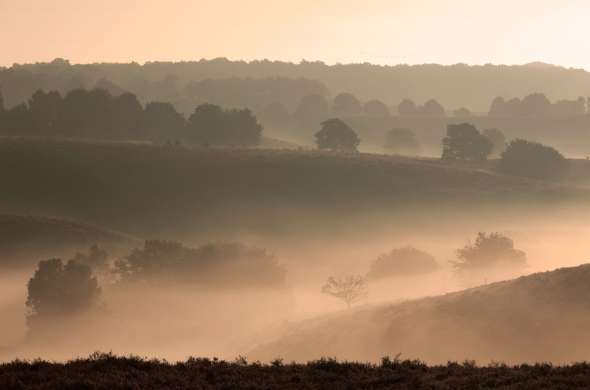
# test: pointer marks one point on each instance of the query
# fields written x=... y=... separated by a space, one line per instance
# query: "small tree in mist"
x=56 y=290
x=489 y=251
x=350 y=289
x=405 y=261
x=336 y=135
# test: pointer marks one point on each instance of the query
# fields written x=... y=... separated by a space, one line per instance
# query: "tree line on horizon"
x=258 y=83
x=97 y=114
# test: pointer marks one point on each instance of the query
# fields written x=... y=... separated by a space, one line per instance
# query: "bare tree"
x=350 y=289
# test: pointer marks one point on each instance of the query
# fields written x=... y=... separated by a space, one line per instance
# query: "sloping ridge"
x=540 y=317
x=25 y=239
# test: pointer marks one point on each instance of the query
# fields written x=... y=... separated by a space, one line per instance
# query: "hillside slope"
x=24 y=240
x=144 y=189
x=541 y=317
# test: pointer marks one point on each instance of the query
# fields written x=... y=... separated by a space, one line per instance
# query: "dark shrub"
x=531 y=159
x=336 y=135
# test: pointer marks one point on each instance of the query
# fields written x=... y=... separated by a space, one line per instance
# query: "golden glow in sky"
x=378 y=31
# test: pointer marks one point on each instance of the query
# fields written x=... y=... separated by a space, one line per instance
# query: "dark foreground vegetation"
x=111 y=372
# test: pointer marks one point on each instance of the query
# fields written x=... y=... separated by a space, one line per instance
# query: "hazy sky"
x=379 y=31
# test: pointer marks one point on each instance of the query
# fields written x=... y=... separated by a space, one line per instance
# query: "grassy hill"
x=24 y=240
x=541 y=317
x=147 y=189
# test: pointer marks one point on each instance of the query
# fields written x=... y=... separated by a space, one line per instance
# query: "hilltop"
x=540 y=317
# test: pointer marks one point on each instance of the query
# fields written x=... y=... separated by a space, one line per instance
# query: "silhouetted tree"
x=350 y=289
x=432 y=108
x=375 y=108
x=162 y=122
x=405 y=261
x=531 y=159
x=212 y=125
x=407 y=108
x=402 y=141
x=57 y=289
x=336 y=135
x=492 y=250
x=464 y=143
x=346 y=104
x=498 y=141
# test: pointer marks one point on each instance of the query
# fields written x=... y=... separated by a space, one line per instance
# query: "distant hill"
x=541 y=317
x=148 y=189
x=454 y=86
x=24 y=240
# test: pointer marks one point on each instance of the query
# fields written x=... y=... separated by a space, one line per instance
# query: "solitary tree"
x=350 y=289
x=57 y=289
x=464 y=143
x=531 y=159
x=337 y=136
x=489 y=251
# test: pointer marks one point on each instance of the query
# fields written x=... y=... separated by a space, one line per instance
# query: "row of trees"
x=59 y=288
x=317 y=108
x=489 y=256
x=464 y=143
x=538 y=105
x=98 y=114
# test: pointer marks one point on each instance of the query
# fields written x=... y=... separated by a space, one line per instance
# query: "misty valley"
x=214 y=225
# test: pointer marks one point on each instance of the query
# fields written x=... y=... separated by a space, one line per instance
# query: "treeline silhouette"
x=97 y=114
x=168 y=81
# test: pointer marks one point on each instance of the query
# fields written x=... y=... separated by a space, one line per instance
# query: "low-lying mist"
x=173 y=319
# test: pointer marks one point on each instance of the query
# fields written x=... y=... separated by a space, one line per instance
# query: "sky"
x=333 y=31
